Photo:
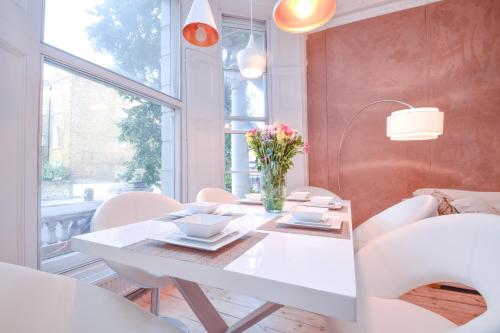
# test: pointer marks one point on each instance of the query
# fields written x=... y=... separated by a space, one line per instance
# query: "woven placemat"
x=274 y=225
x=220 y=258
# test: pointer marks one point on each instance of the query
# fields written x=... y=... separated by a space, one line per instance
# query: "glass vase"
x=273 y=190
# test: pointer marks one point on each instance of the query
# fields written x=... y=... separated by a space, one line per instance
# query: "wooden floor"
x=456 y=306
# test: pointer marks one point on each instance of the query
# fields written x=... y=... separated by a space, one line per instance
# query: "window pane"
x=238 y=156
x=138 y=39
x=241 y=183
x=242 y=97
x=243 y=100
x=236 y=39
x=97 y=141
x=238 y=161
x=237 y=125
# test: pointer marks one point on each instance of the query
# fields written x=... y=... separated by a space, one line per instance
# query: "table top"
x=312 y=273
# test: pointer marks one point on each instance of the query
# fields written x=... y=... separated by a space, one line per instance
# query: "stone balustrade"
x=63 y=221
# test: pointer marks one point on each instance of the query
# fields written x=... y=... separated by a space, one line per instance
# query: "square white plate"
x=213 y=239
x=334 y=206
x=331 y=223
x=178 y=214
x=296 y=199
x=183 y=213
x=177 y=238
x=249 y=202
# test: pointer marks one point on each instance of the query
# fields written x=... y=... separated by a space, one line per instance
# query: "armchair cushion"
x=444 y=200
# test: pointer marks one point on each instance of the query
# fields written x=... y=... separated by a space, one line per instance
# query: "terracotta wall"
x=445 y=54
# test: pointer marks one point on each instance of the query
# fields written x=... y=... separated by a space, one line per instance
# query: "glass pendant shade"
x=303 y=15
x=251 y=60
x=415 y=124
x=200 y=28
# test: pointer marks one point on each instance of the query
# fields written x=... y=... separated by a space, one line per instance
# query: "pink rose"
x=287 y=130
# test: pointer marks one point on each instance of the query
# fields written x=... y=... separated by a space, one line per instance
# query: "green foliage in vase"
x=274 y=147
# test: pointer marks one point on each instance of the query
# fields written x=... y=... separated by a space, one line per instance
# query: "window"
x=108 y=119
x=137 y=39
x=57 y=137
x=245 y=106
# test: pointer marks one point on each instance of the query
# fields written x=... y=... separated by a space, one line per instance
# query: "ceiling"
x=347 y=10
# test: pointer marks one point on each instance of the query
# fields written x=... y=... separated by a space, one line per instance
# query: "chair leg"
x=155 y=301
x=155 y=309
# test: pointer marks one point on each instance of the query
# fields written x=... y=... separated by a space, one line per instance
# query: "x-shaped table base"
x=208 y=315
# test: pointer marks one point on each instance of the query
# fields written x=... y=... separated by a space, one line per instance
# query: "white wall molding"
x=374 y=11
x=20 y=23
x=288 y=92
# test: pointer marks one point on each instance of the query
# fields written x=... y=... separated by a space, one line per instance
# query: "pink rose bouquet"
x=274 y=147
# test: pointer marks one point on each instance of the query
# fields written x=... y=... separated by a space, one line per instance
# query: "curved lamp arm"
x=348 y=127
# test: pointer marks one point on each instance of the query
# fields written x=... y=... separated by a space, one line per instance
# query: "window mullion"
x=245 y=118
x=93 y=71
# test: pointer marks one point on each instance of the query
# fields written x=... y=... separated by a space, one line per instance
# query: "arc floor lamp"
x=410 y=124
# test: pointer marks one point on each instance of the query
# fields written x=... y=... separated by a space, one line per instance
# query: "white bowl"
x=310 y=214
x=201 y=207
x=253 y=196
x=202 y=225
x=322 y=200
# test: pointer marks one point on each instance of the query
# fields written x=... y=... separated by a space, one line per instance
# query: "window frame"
x=54 y=56
x=261 y=26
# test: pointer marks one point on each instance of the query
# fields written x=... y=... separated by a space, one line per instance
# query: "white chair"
x=458 y=248
x=407 y=211
x=313 y=190
x=34 y=301
x=213 y=194
x=130 y=208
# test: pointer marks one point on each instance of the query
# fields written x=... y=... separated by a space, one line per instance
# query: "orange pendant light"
x=303 y=15
x=200 y=28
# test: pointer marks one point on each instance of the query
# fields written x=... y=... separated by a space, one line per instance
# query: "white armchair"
x=403 y=213
x=459 y=248
x=130 y=208
x=34 y=301
x=313 y=190
x=213 y=194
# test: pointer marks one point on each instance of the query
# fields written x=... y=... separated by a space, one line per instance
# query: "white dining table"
x=311 y=273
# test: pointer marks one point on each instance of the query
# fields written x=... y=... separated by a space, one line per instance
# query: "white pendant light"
x=252 y=59
x=415 y=124
x=303 y=15
x=200 y=28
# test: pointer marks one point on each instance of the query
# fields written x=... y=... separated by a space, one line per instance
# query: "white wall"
x=203 y=114
x=288 y=92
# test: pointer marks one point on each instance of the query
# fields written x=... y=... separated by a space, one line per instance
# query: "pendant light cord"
x=251 y=17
